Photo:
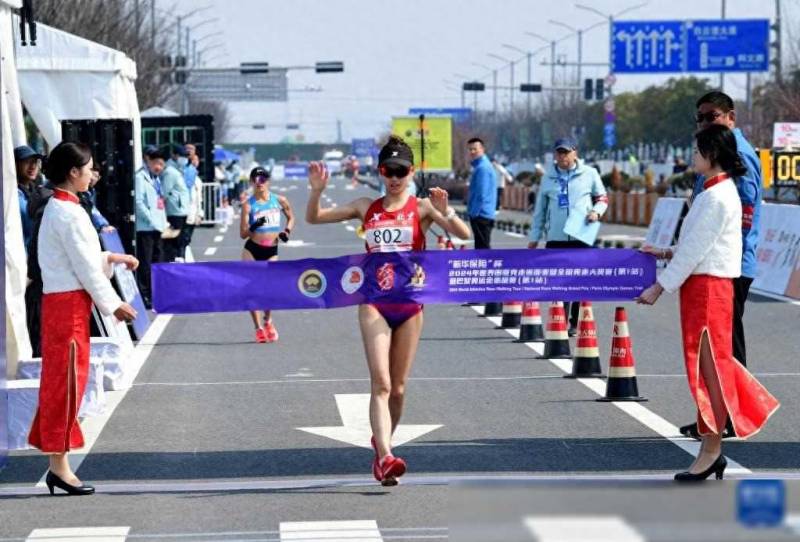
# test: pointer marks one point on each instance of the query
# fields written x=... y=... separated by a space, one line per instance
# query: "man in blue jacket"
x=569 y=186
x=718 y=108
x=482 y=203
x=177 y=199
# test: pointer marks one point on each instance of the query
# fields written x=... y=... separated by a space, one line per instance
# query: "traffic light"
x=473 y=86
x=599 y=88
x=587 y=90
x=525 y=87
x=329 y=67
x=180 y=61
x=253 y=67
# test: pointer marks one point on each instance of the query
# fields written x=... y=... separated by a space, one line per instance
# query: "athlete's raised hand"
x=318 y=176
x=439 y=198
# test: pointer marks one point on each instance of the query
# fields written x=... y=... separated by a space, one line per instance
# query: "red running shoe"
x=392 y=468
x=376 y=468
x=271 y=332
x=261 y=335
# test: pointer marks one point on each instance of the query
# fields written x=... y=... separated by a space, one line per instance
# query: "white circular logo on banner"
x=352 y=279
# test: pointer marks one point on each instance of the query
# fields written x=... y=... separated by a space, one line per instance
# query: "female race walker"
x=390 y=331
x=261 y=226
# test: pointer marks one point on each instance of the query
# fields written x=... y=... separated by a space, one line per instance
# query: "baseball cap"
x=565 y=143
x=396 y=152
x=24 y=152
x=154 y=153
x=180 y=150
x=259 y=172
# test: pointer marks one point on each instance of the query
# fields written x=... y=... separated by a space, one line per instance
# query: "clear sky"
x=407 y=53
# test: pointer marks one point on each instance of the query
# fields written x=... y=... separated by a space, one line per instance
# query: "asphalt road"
x=207 y=445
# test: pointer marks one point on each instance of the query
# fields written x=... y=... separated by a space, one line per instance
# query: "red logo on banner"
x=386 y=276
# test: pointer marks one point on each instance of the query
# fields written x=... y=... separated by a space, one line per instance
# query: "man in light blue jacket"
x=178 y=202
x=568 y=187
x=151 y=217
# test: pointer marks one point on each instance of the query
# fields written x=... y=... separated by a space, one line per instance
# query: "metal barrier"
x=211 y=200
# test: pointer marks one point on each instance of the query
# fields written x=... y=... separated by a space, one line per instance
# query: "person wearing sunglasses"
x=261 y=226
x=396 y=222
x=717 y=108
x=569 y=186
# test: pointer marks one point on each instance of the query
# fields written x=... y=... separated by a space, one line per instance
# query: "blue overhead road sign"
x=647 y=46
x=727 y=46
x=724 y=45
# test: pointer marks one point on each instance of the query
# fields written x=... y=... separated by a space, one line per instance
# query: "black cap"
x=180 y=150
x=565 y=143
x=154 y=153
x=24 y=152
x=396 y=152
x=259 y=172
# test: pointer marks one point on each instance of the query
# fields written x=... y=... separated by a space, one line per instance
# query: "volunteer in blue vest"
x=718 y=108
x=482 y=203
x=569 y=186
x=151 y=218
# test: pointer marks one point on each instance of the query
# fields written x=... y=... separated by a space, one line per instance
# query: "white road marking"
x=515 y=234
x=637 y=411
x=80 y=534
x=291 y=243
x=340 y=380
x=355 y=428
x=92 y=427
x=582 y=528
x=349 y=228
x=334 y=205
x=330 y=531
x=210 y=251
x=219 y=238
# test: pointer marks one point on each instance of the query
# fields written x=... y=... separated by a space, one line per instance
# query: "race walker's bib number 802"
x=390 y=238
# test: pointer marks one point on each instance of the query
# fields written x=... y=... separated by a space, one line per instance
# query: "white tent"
x=63 y=77
x=66 y=77
x=13 y=134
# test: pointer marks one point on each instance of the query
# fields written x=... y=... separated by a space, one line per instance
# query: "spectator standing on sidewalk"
x=569 y=186
x=504 y=178
x=28 y=163
x=177 y=199
x=482 y=203
x=151 y=218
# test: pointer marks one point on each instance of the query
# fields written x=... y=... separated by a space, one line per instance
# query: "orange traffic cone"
x=493 y=309
x=556 y=341
x=586 y=362
x=530 y=329
x=512 y=315
x=621 y=384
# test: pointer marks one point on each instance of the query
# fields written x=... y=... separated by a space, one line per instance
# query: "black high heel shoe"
x=717 y=467
x=54 y=481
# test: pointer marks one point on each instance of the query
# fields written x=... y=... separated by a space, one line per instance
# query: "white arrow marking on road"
x=602 y=528
x=297 y=243
x=355 y=428
x=330 y=531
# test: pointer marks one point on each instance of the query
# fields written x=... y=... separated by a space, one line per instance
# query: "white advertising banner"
x=786 y=134
x=778 y=252
x=664 y=223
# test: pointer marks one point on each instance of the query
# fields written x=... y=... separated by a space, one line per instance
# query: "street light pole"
x=511 y=65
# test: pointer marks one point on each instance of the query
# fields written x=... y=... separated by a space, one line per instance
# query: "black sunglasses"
x=260 y=179
x=394 y=170
x=711 y=116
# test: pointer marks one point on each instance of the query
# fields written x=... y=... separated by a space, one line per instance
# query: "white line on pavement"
x=571 y=527
x=336 y=380
x=210 y=251
x=776 y=297
x=349 y=228
x=219 y=238
x=637 y=411
x=223 y=229
x=93 y=426
x=331 y=531
x=514 y=234
x=80 y=534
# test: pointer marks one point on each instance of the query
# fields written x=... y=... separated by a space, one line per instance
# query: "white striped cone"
x=556 y=340
x=621 y=385
x=586 y=361
x=530 y=329
x=512 y=315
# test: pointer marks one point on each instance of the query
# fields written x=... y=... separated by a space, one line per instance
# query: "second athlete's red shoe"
x=261 y=335
x=271 y=332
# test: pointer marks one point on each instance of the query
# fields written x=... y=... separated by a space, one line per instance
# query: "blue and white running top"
x=271 y=210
